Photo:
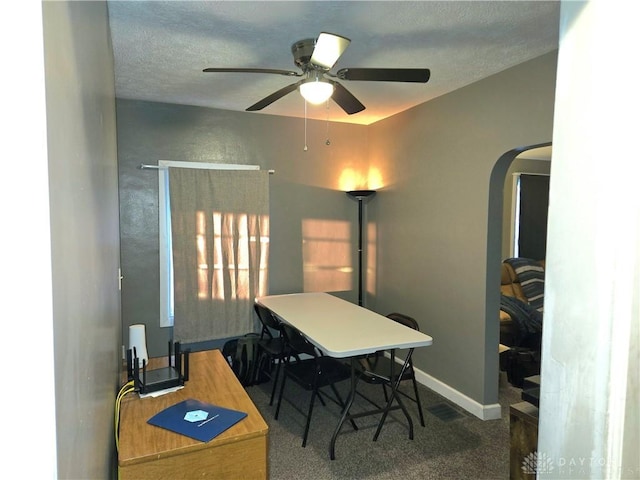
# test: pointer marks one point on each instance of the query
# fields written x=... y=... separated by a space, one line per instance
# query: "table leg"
x=345 y=410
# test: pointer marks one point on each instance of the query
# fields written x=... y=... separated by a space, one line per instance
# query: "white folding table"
x=342 y=329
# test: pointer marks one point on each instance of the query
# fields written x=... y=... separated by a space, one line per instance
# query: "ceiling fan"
x=316 y=57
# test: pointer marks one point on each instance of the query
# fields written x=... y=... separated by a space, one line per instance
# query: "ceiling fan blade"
x=345 y=99
x=418 y=75
x=288 y=73
x=328 y=49
x=273 y=97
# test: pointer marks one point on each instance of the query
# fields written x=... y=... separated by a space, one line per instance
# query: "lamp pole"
x=361 y=196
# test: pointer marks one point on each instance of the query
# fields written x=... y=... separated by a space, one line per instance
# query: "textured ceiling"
x=161 y=48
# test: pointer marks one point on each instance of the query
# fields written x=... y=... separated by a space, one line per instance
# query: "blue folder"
x=196 y=419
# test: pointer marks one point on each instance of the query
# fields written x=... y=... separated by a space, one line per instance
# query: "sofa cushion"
x=531 y=279
x=510 y=285
x=527 y=321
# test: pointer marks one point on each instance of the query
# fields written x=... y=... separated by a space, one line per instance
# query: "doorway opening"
x=533 y=159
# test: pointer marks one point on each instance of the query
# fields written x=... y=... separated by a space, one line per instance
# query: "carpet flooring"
x=453 y=444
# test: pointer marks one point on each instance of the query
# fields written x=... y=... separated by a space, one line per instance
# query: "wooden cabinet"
x=523 y=424
x=146 y=451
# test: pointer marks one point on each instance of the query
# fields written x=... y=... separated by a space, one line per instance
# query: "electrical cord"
x=124 y=390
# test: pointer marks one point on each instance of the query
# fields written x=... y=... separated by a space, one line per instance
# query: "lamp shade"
x=316 y=91
x=361 y=194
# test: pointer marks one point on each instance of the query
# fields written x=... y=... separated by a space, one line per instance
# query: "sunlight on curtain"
x=228 y=229
x=220 y=236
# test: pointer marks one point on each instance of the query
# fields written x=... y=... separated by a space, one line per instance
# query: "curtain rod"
x=144 y=166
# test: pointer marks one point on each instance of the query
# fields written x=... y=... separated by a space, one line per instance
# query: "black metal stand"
x=360 y=196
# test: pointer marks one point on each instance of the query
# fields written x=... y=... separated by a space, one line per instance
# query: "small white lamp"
x=138 y=340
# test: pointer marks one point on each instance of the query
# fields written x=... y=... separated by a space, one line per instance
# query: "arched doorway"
x=498 y=225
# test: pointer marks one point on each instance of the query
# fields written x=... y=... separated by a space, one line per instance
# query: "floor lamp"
x=361 y=196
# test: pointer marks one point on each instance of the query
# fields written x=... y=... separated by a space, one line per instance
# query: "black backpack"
x=250 y=363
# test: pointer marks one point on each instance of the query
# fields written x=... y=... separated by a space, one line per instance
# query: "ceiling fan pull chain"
x=305 y=126
x=328 y=142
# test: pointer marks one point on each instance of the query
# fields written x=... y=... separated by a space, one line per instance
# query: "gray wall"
x=84 y=233
x=431 y=213
x=306 y=185
x=434 y=221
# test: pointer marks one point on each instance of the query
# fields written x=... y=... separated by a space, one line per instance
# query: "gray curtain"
x=534 y=209
x=220 y=236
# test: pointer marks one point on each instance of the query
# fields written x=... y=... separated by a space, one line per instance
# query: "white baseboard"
x=483 y=412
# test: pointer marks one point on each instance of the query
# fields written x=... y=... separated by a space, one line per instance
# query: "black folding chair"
x=376 y=368
x=273 y=345
x=312 y=373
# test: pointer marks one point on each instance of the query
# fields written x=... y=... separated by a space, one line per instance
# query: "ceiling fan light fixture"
x=316 y=91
